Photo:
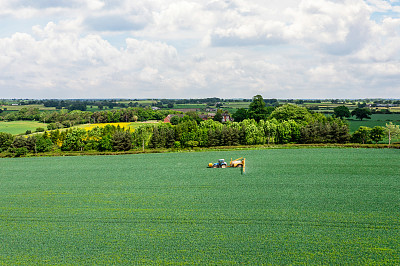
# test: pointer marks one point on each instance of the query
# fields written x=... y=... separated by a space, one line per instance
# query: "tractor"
x=233 y=163
x=220 y=164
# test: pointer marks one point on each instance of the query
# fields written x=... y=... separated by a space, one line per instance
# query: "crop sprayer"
x=240 y=162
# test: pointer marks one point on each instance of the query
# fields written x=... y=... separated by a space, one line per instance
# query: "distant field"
x=131 y=125
x=376 y=120
x=236 y=105
x=20 y=127
x=189 y=106
x=19 y=107
x=292 y=207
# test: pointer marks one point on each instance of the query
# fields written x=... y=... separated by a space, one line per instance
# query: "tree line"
x=286 y=124
x=260 y=124
x=64 y=119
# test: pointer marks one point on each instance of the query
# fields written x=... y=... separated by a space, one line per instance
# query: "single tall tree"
x=257 y=109
x=361 y=113
x=392 y=131
x=341 y=111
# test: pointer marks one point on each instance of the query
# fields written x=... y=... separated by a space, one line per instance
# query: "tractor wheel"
x=223 y=166
x=239 y=165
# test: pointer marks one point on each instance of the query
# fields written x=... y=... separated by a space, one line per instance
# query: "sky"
x=285 y=49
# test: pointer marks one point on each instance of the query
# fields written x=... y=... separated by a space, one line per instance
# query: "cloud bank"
x=194 y=49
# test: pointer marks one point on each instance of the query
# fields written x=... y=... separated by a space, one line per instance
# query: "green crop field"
x=376 y=120
x=41 y=107
x=20 y=127
x=189 y=106
x=293 y=206
x=236 y=105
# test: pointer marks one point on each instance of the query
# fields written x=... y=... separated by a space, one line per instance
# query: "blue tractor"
x=220 y=164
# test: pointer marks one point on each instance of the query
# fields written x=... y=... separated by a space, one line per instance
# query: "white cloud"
x=194 y=48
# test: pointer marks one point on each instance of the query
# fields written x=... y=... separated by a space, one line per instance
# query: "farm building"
x=226 y=117
x=207 y=116
x=168 y=118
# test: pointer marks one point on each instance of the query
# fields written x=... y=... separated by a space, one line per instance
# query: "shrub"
x=121 y=141
x=20 y=151
x=6 y=140
x=177 y=144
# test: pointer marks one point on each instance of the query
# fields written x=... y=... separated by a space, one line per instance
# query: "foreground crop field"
x=294 y=206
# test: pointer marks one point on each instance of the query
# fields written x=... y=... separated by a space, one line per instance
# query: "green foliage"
x=142 y=136
x=19 y=142
x=257 y=109
x=18 y=152
x=211 y=124
x=254 y=133
x=362 y=135
x=43 y=144
x=270 y=129
x=392 y=131
x=218 y=116
x=328 y=131
x=177 y=144
x=6 y=139
x=74 y=140
x=54 y=126
x=377 y=133
x=341 y=111
x=361 y=113
x=78 y=105
x=121 y=141
x=292 y=112
x=240 y=115
x=175 y=120
x=192 y=116
x=104 y=144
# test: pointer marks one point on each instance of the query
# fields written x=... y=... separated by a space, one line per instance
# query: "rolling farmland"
x=376 y=120
x=293 y=206
x=20 y=127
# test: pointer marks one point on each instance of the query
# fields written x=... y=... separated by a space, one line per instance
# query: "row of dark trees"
x=108 y=138
x=65 y=119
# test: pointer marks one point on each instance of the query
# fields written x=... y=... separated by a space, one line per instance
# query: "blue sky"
x=195 y=49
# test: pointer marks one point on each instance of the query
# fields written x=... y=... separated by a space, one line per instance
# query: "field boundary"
x=217 y=148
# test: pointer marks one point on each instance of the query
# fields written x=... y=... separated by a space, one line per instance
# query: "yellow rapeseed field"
x=121 y=125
